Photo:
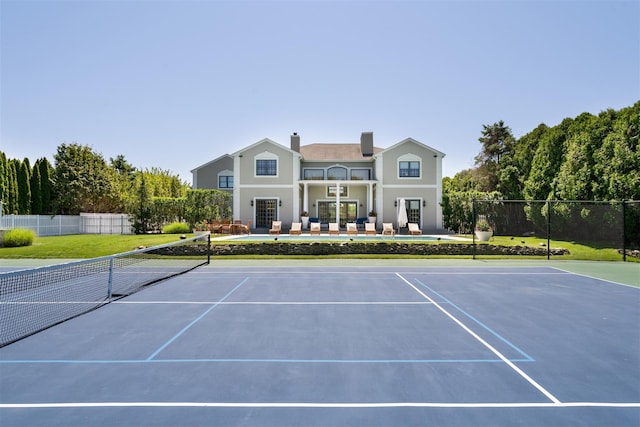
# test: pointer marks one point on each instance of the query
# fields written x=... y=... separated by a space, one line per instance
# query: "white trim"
x=266 y=155
x=410 y=186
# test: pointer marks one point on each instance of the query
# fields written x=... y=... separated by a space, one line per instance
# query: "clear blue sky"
x=175 y=84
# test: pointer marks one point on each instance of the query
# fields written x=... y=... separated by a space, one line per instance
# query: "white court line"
x=486 y=344
x=281 y=302
x=317 y=405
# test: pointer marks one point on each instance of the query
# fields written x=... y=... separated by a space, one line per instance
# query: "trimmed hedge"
x=18 y=237
x=176 y=228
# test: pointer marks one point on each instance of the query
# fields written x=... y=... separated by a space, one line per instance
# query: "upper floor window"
x=317 y=174
x=337 y=172
x=409 y=166
x=225 y=181
x=267 y=167
x=360 y=174
x=266 y=164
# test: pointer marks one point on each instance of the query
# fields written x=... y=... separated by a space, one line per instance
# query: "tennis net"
x=38 y=298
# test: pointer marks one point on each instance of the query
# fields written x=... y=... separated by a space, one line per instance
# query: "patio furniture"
x=276 y=227
x=314 y=228
x=296 y=228
x=370 y=229
x=334 y=229
x=414 y=230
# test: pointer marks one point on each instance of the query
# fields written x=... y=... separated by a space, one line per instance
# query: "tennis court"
x=323 y=345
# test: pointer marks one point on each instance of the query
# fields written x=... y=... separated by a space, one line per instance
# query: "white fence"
x=58 y=225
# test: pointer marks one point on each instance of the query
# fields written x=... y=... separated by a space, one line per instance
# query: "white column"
x=338 y=202
x=305 y=197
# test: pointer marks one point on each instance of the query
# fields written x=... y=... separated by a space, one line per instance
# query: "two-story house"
x=331 y=182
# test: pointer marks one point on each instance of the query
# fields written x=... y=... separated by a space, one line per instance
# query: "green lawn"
x=93 y=245
x=86 y=245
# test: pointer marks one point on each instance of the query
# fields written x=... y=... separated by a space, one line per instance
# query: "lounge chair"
x=246 y=228
x=225 y=226
x=214 y=226
x=314 y=228
x=387 y=229
x=334 y=228
x=296 y=228
x=370 y=229
x=276 y=227
x=414 y=230
x=352 y=229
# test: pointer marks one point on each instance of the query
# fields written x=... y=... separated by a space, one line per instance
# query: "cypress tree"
x=36 y=191
x=46 y=186
x=12 y=188
x=24 y=189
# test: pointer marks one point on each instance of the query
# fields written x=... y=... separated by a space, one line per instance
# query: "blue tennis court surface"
x=343 y=346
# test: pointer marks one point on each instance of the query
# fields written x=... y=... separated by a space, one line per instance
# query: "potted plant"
x=304 y=218
x=483 y=230
x=373 y=216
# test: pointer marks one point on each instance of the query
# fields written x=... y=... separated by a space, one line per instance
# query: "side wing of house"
x=265 y=187
x=216 y=174
x=411 y=171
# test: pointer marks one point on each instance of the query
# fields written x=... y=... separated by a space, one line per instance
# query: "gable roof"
x=262 y=141
x=337 y=152
x=411 y=140
x=210 y=162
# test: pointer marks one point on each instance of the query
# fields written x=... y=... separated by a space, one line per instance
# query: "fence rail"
x=603 y=224
x=59 y=225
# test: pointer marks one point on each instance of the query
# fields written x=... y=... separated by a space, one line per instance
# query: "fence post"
x=548 y=230
x=208 y=248
x=624 y=230
x=473 y=225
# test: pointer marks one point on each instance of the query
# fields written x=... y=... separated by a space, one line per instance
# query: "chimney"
x=366 y=144
x=295 y=142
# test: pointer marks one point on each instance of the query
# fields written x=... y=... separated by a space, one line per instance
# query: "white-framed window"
x=266 y=164
x=337 y=173
x=409 y=166
x=314 y=174
x=360 y=174
x=225 y=180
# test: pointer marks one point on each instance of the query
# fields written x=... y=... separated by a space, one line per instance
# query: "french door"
x=348 y=212
x=266 y=212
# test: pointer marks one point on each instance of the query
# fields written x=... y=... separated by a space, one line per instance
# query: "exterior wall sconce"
x=424 y=203
x=395 y=204
x=280 y=203
x=252 y=203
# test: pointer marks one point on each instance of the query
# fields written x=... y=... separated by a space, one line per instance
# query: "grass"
x=85 y=245
x=92 y=245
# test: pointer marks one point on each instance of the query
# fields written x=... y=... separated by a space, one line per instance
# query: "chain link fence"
x=614 y=224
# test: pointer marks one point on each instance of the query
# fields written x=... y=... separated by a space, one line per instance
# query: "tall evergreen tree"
x=36 y=190
x=46 y=186
x=3 y=181
x=12 y=188
x=24 y=189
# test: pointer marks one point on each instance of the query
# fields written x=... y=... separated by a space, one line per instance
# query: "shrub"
x=176 y=228
x=18 y=237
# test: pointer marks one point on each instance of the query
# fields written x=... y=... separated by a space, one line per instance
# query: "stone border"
x=376 y=248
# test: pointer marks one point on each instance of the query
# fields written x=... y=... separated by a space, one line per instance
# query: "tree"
x=36 y=191
x=24 y=189
x=3 y=181
x=46 y=186
x=83 y=182
x=12 y=188
x=497 y=141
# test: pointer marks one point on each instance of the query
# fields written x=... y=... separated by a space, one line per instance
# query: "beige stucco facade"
x=332 y=182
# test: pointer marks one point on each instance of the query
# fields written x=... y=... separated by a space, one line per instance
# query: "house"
x=332 y=182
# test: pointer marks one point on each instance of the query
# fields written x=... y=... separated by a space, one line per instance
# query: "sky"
x=176 y=84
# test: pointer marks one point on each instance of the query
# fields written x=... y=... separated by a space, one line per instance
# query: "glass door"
x=266 y=212
x=348 y=212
